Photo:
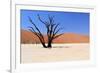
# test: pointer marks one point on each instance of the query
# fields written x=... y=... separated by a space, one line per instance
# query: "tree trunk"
x=49 y=44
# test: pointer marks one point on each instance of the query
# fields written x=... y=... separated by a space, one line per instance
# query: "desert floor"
x=31 y=53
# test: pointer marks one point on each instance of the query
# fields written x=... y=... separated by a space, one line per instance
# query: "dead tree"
x=52 y=30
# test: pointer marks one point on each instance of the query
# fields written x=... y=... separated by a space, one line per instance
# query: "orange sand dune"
x=29 y=37
x=72 y=38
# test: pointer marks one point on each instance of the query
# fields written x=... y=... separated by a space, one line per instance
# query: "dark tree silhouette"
x=51 y=27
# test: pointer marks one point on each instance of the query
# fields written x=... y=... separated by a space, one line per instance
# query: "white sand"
x=31 y=53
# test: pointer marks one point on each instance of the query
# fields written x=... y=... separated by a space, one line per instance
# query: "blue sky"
x=71 y=22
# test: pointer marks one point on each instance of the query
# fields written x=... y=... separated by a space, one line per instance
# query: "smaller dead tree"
x=51 y=27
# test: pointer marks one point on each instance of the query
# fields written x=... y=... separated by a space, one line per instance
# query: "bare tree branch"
x=36 y=27
x=56 y=26
x=57 y=31
x=51 y=27
x=44 y=22
x=33 y=31
x=40 y=35
x=57 y=36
